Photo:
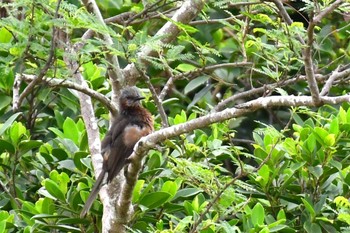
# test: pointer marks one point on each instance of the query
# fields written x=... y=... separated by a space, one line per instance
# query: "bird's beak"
x=139 y=98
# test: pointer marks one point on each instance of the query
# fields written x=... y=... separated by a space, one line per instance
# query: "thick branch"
x=148 y=142
x=88 y=115
x=327 y=10
x=240 y=110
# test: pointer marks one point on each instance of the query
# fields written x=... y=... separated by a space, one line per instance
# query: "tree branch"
x=188 y=10
x=157 y=100
x=240 y=110
x=148 y=142
x=307 y=51
x=309 y=65
x=198 y=72
x=326 y=11
x=114 y=71
x=52 y=82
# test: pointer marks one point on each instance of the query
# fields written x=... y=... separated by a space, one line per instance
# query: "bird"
x=132 y=122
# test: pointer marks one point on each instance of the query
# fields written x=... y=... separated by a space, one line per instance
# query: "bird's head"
x=130 y=97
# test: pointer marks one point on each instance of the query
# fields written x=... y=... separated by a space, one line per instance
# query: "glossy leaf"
x=258 y=215
x=154 y=200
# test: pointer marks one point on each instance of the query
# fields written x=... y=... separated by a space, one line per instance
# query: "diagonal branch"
x=327 y=10
x=188 y=11
x=52 y=82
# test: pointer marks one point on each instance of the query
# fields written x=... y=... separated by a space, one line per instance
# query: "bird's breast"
x=133 y=133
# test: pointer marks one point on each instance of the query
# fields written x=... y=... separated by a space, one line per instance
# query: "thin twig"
x=52 y=82
x=158 y=102
x=197 y=72
x=143 y=12
x=223 y=189
x=43 y=71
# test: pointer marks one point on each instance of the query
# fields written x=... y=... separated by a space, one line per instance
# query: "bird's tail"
x=95 y=189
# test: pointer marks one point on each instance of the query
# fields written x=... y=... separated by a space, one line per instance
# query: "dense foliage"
x=276 y=170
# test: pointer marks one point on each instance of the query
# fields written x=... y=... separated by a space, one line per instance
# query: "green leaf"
x=5 y=145
x=258 y=215
x=218 y=35
x=334 y=126
x=137 y=190
x=186 y=67
x=5 y=35
x=5 y=101
x=322 y=133
x=170 y=187
x=67 y=164
x=329 y=140
x=187 y=192
x=27 y=145
x=195 y=83
x=264 y=173
x=70 y=130
x=54 y=189
x=265 y=230
x=310 y=143
x=77 y=158
x=281 y=215
x=154 y=200
x=9 y=122
x=309 y=208
x=17 y=131
x=57 y=132
x=62 y=179
x=277 y=228
x=180 y=118
x=45 y=206
x=199 y=95
x=312 y=228
x=59 y=153
x=154 y=161
x=2 y=223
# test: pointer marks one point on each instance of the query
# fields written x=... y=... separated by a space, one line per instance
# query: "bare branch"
x=333 y=77
x=282 y=11
x=52 y=82
x=156 y=99
x=309 y=65
x=326 y=11
x=198 y=72
x=307 y=52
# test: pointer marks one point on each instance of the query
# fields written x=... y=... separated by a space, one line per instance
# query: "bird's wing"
x=117 y=150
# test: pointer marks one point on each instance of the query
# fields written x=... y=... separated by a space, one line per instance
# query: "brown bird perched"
x=132 y=123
